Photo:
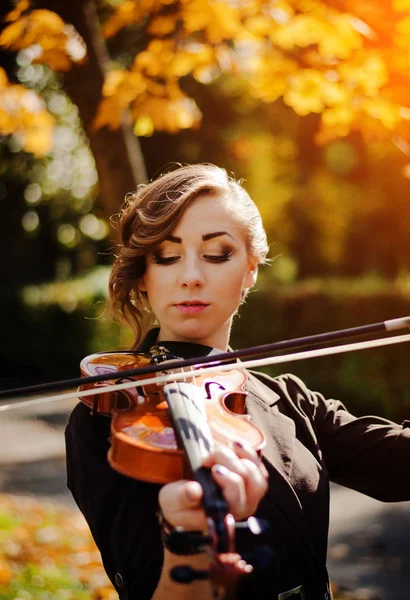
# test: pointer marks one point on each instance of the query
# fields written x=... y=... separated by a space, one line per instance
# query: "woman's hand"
x=239 y=472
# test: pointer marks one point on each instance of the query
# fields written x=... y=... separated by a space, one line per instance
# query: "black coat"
x=310 y=441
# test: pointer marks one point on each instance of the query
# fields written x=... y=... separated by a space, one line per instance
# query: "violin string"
x=263 y=350
x=255 y=363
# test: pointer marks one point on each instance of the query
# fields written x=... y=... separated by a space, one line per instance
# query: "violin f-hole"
x=208 y=388
x=235 y=402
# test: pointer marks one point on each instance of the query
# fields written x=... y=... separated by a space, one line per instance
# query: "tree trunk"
x=117 y=154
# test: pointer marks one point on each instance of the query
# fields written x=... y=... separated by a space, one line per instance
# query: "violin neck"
x=188 y=415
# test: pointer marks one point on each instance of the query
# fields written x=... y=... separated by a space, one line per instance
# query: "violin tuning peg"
x=186 y=574
x=252 y=526
x=184 y=542
x=160 y=354
x=249 y=534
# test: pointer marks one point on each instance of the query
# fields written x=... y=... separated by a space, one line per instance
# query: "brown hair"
x=152 y=212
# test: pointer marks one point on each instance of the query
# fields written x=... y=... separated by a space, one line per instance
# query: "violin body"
x=143 y=442
x=163 y=432
x=107 y=363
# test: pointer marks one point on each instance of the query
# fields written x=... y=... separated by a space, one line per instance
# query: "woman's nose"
x=191 y=274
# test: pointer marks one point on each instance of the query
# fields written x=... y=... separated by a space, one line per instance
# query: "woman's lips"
x=191 y=307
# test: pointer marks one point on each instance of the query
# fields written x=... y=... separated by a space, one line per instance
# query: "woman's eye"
x=164 y=260
x=169 y=260
x=219 y=258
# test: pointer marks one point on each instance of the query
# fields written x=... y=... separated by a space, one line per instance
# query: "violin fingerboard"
x=188 y=415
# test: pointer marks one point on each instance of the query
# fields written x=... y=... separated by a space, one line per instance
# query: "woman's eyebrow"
x=211 y=236
x=205 y=237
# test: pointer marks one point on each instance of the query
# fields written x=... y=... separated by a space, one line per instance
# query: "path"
x=369 y=544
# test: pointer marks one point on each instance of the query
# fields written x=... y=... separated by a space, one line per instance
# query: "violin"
x=143 y=439
x=163 y=432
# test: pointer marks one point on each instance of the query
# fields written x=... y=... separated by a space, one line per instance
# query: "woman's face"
x=195 y=278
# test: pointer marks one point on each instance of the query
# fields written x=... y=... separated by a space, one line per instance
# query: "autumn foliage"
x=53 y=42
x=345 y=61
x=46 y=551
x=24 y=114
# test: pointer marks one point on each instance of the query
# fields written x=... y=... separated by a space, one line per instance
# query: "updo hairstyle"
x=151 y=213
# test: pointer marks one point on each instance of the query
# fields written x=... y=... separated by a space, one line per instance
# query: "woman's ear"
x=251 y=276
x=141 y=284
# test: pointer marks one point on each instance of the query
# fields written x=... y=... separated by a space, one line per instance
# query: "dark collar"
x=179 y=349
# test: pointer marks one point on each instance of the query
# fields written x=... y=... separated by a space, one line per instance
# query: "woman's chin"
x=192 y=334
x=196 y=332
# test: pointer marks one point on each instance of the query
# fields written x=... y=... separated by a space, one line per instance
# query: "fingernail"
x=220 y=469
x=243 y=445
x=239 y=444
x=193 y=492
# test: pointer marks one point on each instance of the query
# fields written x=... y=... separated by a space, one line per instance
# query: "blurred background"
x=307 y=101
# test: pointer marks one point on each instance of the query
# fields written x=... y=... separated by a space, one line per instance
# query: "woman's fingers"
x=256 y=485
x=256 y=481
x=242 y=477
x=239 y=472
x=222 y=455
x=181 y=504
x=230 y=457
x=233 y=489
x=245 y=451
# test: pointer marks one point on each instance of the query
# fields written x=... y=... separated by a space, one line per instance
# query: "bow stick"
x=216 y=360
x=293 y=344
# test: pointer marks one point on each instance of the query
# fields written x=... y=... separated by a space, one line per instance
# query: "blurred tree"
x=341 y=61
x=63 y=47
x=49 y=230
x=335 y=209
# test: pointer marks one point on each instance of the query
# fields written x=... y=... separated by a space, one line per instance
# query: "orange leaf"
x=3 y=78
x=218 y=20
x=401 y=5
x=125 y=86
x=109 y=114
x=22 y=113
x=38 y=139
x=47 y=21
x=165 y=114
x=127 y=13
x=12 y=36
x=403 y=26
x=56 y=59
x=6 y=125
x=162 y=25
x=61 y=44
x=21 y=6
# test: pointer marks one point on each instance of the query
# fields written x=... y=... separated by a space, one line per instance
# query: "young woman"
x=192 y=242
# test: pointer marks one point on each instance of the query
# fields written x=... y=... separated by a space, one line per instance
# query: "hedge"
x=373 y=381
